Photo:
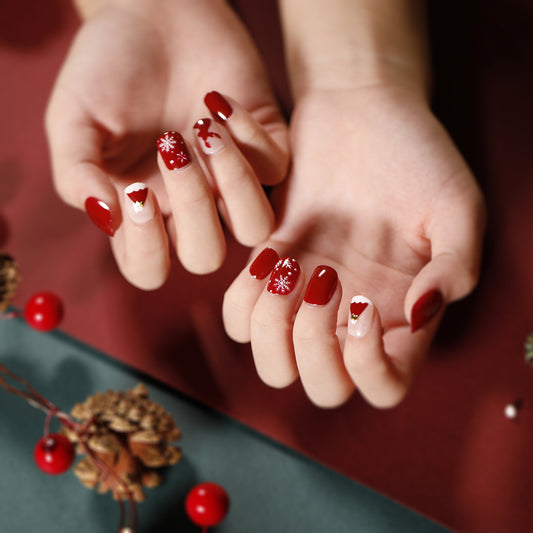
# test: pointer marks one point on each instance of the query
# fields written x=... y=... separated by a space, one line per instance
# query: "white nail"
x=361 y=316
x=209 y=135
x=138 y=205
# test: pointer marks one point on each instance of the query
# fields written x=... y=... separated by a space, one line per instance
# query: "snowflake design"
x=182 y=157
x=167 y=143
x=282 y=284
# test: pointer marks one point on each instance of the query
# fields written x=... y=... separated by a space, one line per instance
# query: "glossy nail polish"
x=361 y=316
x=284 y=277
x=100 y=214
x=173 y=150
x=138 y=206
x=321 y=286
x=425 y=308
x=218 y=105
x=264 y=263
x=209 y=138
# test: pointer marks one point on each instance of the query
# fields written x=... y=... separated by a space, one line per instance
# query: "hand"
x=136 y=70
x=378 y=192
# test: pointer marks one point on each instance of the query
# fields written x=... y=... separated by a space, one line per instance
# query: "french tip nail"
x=425 y=308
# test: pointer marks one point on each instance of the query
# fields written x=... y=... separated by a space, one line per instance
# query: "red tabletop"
x=448 y=450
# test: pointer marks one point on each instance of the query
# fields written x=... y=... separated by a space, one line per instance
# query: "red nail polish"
x=100 y=214
x=425 y=308
x=264 y=263
x=218 y=105
x=321 y=286
x=284 y=277
x=173 y=150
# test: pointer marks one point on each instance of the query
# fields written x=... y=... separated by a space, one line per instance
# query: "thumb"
x=455 y=233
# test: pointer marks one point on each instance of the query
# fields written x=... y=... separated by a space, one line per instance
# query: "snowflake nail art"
x=173 y=150
x=284 y=276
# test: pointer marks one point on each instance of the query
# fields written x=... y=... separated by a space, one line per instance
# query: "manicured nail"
x=284 y=276
x=100 y=214
x=264 y=263
x=321 y=286
x=425 y=308
x=218 y=105
x=138 y=207
x=361 y=316
x=209 y=139
x=173 y=150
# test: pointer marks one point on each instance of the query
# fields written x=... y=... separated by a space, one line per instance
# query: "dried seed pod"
x=9 y=280
x=131 y=435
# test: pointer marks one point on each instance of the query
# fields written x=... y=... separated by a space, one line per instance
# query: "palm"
x=136 y=76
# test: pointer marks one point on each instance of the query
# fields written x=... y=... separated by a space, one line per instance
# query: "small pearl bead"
x=511 y=410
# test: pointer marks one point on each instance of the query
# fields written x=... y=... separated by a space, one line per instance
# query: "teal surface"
x=272 y=488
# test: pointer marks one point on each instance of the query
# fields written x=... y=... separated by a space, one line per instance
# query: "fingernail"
x=138 y=206
x=321 y=286
x=425 y=308
x=218 y=105
x=284 y=277
x=361 y=316
x=173 y=150
x=264 y=263
x=209 y=139
x=100 y=214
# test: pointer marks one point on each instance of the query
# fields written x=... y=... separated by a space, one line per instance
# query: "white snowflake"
x=182 y=157
x=282 y=284
x=167 y=143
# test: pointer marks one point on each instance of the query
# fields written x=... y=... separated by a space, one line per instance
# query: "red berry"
x=43 y=311
x=207 y=504
x=54 y=454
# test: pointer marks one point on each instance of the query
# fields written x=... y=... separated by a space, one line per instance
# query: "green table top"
x=272 y=489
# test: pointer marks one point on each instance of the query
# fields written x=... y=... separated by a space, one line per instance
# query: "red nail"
x=100 y=214
x=284 y=276
x=425 y=308
x=173 y=150
x=264 y=263
x=321 y=286
x=218 y=105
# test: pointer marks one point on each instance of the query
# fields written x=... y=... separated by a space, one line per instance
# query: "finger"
x=382 y=367
x=251 y=217
x=243 y=293
x=455 y=234
x=200 y=242
x=75 y=144
x=264 y=143
x=141 y=244
x=316 y=345
x=271 y=324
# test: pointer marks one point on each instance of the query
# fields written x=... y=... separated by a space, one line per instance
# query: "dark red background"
x=447 y=451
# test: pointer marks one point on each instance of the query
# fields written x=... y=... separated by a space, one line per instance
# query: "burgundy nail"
x=284 y=276
x=425 y=308
x=173 y=150
x=264 y=263
x=100 y=214
x=218 y=105
x=322 y=285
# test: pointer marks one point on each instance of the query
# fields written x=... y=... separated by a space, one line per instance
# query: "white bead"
x=511 y=411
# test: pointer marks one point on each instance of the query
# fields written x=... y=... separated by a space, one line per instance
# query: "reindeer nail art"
x=209 y=139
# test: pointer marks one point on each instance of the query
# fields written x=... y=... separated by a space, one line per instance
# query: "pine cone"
x=528 y=345
x=130 y=434
x=9 y=280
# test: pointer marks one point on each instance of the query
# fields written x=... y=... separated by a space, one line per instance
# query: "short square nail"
x=173 y=150
x=218 y=105
x=139 y=208
x=209 y=138
x=425 y=308
x=100 y=214
x=264 y=263
x=284 y=277
x=321 y=286
x=361 y=316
